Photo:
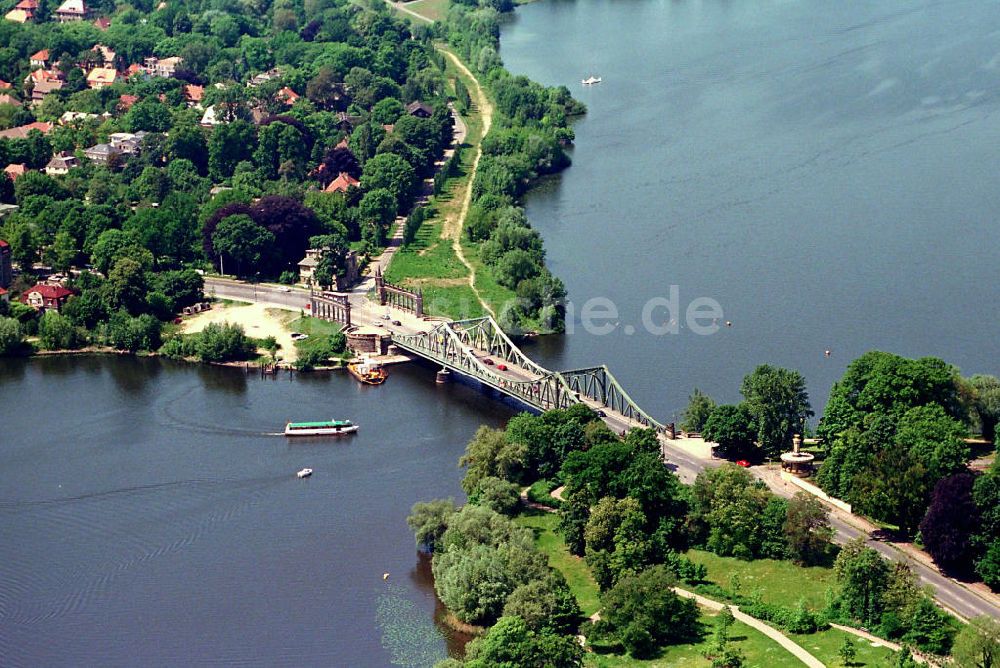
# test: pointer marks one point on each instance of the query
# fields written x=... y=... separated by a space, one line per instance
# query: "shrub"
x=224 y=342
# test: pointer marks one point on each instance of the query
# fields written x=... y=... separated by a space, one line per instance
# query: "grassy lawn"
x=456 y=302
x=581 y=583
x=781 y=582
x=428 y=257
x=759 y=650
x=435 y=10
x=317 y=329
x=495 y=294
x=825 y=646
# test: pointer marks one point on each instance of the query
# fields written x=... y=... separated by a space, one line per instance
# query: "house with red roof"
x=125 y=102
x=21 y=132
x=102 y=23
x=288 y=96
x=43 y=296
x=342 y=183
x=15 y=171
x=6 y=270
x=7 y=98
x=5 y=85
x=39 y=58
x=193 y=94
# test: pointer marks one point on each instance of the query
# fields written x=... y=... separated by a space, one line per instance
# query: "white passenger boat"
x=591 y=80
x=330 y=428
x=304 y=473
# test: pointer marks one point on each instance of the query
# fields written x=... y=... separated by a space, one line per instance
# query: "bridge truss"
x=464 y=345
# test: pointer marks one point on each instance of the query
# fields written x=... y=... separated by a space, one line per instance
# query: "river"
x=825 y=171
x=152 y=517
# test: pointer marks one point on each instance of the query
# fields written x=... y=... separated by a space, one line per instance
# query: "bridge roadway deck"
x=686 y=457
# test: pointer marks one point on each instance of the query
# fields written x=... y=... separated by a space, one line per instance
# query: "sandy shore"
x=258 y=320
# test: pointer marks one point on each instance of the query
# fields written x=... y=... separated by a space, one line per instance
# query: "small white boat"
x=304 y=473
x=591 y=80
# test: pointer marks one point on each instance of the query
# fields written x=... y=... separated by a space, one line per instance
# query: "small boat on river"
x=591 y=80
x=368 y=372
x=323 y=428
x=304 y=473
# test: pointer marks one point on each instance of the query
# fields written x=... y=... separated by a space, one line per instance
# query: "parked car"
x=397 y=323
x=744 y=463
x=177 y=321
x=284 y=288
x=601 y=414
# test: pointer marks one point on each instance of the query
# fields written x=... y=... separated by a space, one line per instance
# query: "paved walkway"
x=875 y=639
x=774 y=634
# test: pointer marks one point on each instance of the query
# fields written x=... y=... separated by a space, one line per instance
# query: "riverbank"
x=466 y=270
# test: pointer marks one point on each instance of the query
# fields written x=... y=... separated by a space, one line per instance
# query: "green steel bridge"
x=479 y=349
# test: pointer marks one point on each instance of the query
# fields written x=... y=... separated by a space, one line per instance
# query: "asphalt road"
x=948 y=592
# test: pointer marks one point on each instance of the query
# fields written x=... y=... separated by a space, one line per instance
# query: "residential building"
x=19 y=16
x=39 y=59
x=209 y=119
x=308 y=264
x=127 y=142
x=164 y=67
x=71 y=117
x=23 y=11
x=42 y=297
x=6 y=268
x=288 y=96
x=4 y=296
x=38 y=76
x=263 y=77
x=7 y=98
x=72 y=10
x=21 y=132
x=102 y=77
x=5 y=85
x=102 y=23
x=61 y=163
x=342 y=183
x=43 y=88
x=419 y=109
x=101 y=154
x=15 y=171
x=125 y=102
x=193 y=94
x=135 y=70
x=107 y=55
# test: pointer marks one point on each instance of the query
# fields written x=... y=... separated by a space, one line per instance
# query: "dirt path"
x=403 y=8
x=453 y=226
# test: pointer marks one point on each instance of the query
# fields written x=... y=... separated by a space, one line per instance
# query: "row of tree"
x=894 y=438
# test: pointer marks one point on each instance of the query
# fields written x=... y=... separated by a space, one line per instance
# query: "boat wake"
x=108 y=542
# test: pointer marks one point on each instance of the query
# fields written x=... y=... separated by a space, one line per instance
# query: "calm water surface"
x=827 y=171
x=150 y=516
